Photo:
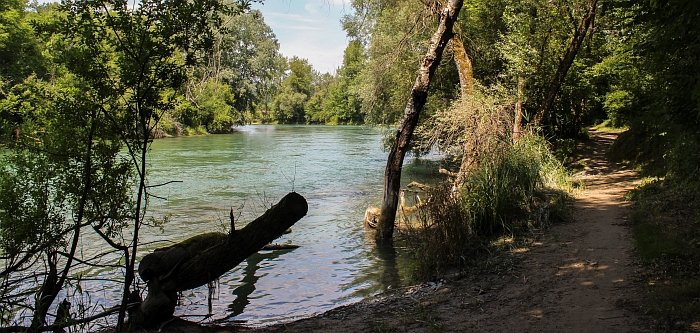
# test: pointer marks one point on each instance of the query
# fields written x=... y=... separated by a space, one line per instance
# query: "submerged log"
x=204 y=258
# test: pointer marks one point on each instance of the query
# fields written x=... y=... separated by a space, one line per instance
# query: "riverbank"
x=575 y=277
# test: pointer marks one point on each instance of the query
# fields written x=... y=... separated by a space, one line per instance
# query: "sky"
x=308 y=29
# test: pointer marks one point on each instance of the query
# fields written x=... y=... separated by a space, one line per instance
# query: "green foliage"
x=662 y=110
x=289 y=106
x=212 y=109
x=20 y=52
x=295 y=91
x=513 y=189
x=665 y=221
x=617 y=104
x=336 y=100
x=63 y=173
x=396 y=35
x=250 y=62
x=499 y=194
x=85 y=130
x=301 y=75
x=314 y=110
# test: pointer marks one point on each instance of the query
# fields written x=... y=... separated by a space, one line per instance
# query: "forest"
x=504 y=89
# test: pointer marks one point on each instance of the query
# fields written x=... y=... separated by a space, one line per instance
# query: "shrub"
x=514 y=187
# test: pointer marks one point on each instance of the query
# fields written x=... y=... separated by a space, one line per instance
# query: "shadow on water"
x=390 y=276
x=248 y=281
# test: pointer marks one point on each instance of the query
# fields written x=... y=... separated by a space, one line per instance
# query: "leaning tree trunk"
x=566 y=62
x=464 y=66
x=416 y=102
x=204 y=258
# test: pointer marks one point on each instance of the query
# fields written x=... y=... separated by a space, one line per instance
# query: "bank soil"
x=576 y=276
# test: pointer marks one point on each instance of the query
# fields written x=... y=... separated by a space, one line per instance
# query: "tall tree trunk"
x=518 y=119
x=416 y=102
x=566 y=62
x=466 y=84
x=464 y=65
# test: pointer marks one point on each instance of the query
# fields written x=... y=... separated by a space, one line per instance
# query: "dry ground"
x=576 y=277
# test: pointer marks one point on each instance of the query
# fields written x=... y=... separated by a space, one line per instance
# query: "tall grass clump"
x=505 y=192
x=504 y=187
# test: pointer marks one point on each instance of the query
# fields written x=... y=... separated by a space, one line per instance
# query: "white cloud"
x=311 y=8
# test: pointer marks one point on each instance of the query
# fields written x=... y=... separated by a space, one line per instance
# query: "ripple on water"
x=338 y=169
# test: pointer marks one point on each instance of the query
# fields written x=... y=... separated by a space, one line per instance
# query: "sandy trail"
x=576 y=277
x=580 y=275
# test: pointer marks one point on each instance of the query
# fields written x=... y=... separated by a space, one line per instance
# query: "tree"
x=248 y=59
x=315 y=110
x=147 y=43
x=566 y=61
x=62 y=175
x=296 y=88
x=20 y=53
x=335 y=99
x=416 y=102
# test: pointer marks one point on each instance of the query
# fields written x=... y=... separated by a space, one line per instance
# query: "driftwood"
x=372 y=213
x=372 y=216
x=204 y=258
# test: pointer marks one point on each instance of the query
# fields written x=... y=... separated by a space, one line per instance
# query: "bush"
x=515 y=187
x=665 y=220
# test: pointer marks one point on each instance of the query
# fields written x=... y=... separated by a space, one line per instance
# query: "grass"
x=514 y=189
x=607 y=127
x=666 y=217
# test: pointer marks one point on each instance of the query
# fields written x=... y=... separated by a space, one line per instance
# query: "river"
x=339 y=169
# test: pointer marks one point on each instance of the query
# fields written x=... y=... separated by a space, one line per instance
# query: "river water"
x=339 y=169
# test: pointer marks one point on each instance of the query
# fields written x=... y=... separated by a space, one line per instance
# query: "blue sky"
x=306 y=28
x=309 y=29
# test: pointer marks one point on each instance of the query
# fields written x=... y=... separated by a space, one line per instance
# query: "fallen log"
x=204 y=258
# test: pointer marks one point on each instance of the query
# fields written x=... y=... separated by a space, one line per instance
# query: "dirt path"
x=577 y=277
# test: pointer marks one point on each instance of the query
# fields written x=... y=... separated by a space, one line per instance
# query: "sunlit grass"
x=515 y=188
x=607 y=127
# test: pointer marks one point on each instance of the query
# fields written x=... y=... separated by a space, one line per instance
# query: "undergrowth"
x=666 y=221
x=666 y=217
x=514 y=188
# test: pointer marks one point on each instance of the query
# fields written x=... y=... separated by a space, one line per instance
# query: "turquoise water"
x=339 y=169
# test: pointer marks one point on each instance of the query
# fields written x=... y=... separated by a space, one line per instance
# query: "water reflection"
x=338 y=169
x=249 y=279
x=390 y=275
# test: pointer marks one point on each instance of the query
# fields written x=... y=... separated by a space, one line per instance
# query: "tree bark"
x=204 y=258
x=464 y=66
x=566 y=62
x=416 y=102
x=518 y=119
